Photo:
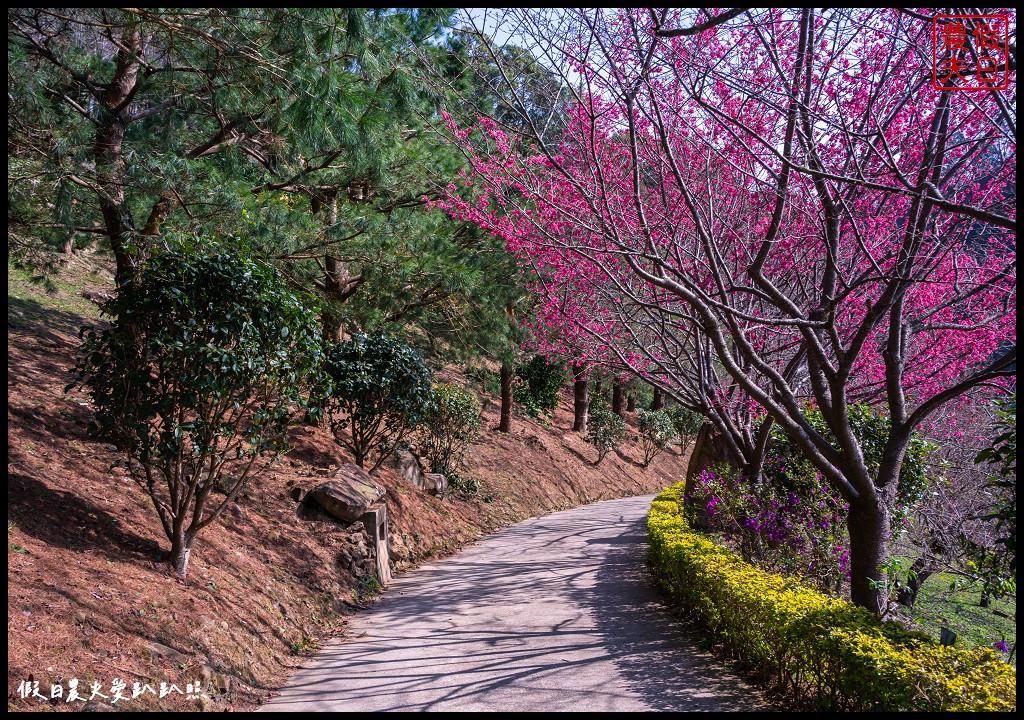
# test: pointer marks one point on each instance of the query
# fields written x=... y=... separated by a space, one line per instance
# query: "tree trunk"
x=110 y=162
x=907 y=594
x=710 y=448
x=618 y=397
x=117 y=217
x=581 y=398
x=330 y=320
x=505 y=423
x=334 y=283
x=631 y=402
x=658 y=402
x=181 y=550
x=868 y=525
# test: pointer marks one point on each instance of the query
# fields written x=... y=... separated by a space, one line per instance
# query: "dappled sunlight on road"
x=556 y=613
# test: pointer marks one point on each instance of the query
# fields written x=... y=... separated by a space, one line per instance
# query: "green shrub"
x=791 y=520
x=377 y=388
x=450 y=425
x=773 y=527
x=656 y=432
x=197 y=378
x=489 y=380
x=816 y=648
x=538 y=384
x=464 y=484
x=687 y=424
x=995 y=566
x=605 y=431
x=786 y=466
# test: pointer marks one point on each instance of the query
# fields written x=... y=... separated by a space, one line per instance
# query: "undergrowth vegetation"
x=819 y=650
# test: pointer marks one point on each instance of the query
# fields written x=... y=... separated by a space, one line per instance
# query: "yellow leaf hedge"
x=820 y=649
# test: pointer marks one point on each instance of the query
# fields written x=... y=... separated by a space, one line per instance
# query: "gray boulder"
x=348 y=494
x=409 y=467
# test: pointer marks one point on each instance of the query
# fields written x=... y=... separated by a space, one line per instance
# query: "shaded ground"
x=89 y=593
x=555 y=614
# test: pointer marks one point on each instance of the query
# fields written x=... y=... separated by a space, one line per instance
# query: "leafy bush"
x=774 y=527
x=196 y=378
x=450 y=425
x=786 y=465
x=489 y=380
x=995 y=566
x=377 y=388
x=539 y=382
x=465 y=485
x=791 y=520
x=605 y=431
x=687 y=424
x=814 y=647
x=656 y=432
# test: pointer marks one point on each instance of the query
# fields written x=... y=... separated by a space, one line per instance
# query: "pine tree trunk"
x=658 y=401
x=581 y=398
x=868 y=526
x=505 y=423
x=631 y=402
x=110 y=161
x=334 y=285
x=330 y=321
x=618 y=397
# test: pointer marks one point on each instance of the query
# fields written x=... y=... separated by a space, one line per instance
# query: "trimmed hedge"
x=819 y=649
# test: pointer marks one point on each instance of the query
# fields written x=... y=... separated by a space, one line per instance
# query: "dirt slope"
x=90 y=599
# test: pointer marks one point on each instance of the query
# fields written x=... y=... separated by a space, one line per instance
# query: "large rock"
x=409 y=467
x=348 y=494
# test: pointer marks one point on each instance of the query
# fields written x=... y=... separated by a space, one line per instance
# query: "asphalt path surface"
x=557 y=613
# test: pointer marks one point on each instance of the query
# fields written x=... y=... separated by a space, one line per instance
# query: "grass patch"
x=53 y=300
x=941 y=602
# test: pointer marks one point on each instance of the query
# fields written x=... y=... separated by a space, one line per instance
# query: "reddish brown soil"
x=88 y=592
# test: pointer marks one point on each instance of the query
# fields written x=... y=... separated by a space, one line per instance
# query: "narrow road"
x=556 y=613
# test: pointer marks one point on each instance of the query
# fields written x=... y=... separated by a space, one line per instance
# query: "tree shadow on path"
x=652 y=649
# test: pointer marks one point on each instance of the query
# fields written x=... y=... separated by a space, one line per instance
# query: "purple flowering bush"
x=790 y=520
x=775 y=527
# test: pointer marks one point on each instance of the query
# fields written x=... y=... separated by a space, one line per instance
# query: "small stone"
x=97 y=706
x=409 y=467
x=534 y=441
x=435 y=483
x=159 y=651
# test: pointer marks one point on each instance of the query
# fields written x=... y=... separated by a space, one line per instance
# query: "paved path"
x=555 y=613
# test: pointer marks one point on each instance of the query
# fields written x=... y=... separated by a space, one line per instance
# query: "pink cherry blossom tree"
x=780 y=198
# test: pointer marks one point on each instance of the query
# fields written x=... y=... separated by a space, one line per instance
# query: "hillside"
x=89 y=597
